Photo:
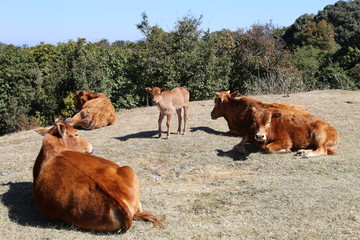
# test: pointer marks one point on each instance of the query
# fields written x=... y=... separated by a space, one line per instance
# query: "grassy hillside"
x=206 y=190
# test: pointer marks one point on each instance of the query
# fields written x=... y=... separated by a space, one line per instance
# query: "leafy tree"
x=344 y=16
x=290 y=35
x=258 y=55
x=318 y=35
x=18 y=79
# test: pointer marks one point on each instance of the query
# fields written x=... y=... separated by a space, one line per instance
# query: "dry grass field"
x=207 y=190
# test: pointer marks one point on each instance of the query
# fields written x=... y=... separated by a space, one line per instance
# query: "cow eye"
x=76 y=134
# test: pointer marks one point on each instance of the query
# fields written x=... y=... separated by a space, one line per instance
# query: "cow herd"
x=93 y=193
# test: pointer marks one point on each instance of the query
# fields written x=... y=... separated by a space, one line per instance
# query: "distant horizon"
x=32 y=22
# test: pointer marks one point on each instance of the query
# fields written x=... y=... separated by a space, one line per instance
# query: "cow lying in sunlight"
x=94 y=110
x=277 y=132
x=84 y=190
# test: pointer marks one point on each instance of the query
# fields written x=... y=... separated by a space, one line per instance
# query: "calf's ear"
x=233 y=94
x=59 y=128
x=163 y=89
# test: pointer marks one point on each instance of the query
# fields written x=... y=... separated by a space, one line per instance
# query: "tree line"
x=319 y=51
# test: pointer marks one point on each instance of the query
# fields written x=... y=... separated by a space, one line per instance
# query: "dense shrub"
x=316 y=52
x=19 y=75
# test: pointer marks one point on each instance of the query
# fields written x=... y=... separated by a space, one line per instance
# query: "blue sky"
x=52 y=21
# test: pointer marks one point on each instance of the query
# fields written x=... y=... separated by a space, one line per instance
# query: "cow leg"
x=320 y=140
x=240 y=147
x=161 y=117
x=186 y=108
x=178 y=112
x=278 y=147
x=168 y=124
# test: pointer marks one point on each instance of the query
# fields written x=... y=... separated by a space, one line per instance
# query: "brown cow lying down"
x=238 y=114
x=94 y=110
x=84 y=190
x=279 y=133
x=168 y=102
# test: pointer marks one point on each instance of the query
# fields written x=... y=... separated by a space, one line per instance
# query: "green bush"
x=19 y=75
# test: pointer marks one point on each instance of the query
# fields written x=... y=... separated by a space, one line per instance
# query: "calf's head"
x=81 y=97
x=156 y=94
x=221 y=100
x=62 y=136
x=262 y=122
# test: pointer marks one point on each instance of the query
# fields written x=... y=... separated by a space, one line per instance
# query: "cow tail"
x=148 y=216
x=333 y=145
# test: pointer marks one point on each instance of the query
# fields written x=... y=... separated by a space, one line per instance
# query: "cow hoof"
x=240 y=149
x=300 y=152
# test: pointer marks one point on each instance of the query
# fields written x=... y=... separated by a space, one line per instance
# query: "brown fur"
x=168 y=102
x=237 y=113
x=279 y=133
x=94 y=110
x=84 y=190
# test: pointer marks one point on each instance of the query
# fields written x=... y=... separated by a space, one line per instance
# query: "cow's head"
x=81 y=97
x=156 y=94
x=66 y=138
x=221 y=100
x=262 y=122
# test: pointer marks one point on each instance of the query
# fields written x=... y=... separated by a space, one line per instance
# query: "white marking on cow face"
x=262 y=124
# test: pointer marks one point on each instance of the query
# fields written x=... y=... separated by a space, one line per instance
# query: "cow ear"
x=148 y=89
x=42 y=130
x=163 y=89
x=233 y=95
x=60 y=128
x=276 y=115
x=80 y=93
x=216 y=94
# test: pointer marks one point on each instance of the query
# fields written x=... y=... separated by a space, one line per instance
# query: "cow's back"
x=176 y=98
x=86 y=190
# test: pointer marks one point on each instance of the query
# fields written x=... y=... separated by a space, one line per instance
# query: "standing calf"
x=168 y=102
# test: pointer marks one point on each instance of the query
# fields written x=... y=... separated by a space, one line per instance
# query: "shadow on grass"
x=208 y=130
x=235 y=155
x=20 y=202
x=145 y=134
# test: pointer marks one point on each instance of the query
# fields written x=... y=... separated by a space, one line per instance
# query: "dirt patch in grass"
x=206 y=189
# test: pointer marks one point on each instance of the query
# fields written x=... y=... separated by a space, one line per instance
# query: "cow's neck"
x=50 y=146
x=239 y=114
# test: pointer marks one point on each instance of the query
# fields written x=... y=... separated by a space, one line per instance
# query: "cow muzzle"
x=260 y=137
x=89 y=149
x=213 y=116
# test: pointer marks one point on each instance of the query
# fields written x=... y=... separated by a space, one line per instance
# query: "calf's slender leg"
x=186 y=108
x=161 y=117
x=178 y=111
x=168 y=124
